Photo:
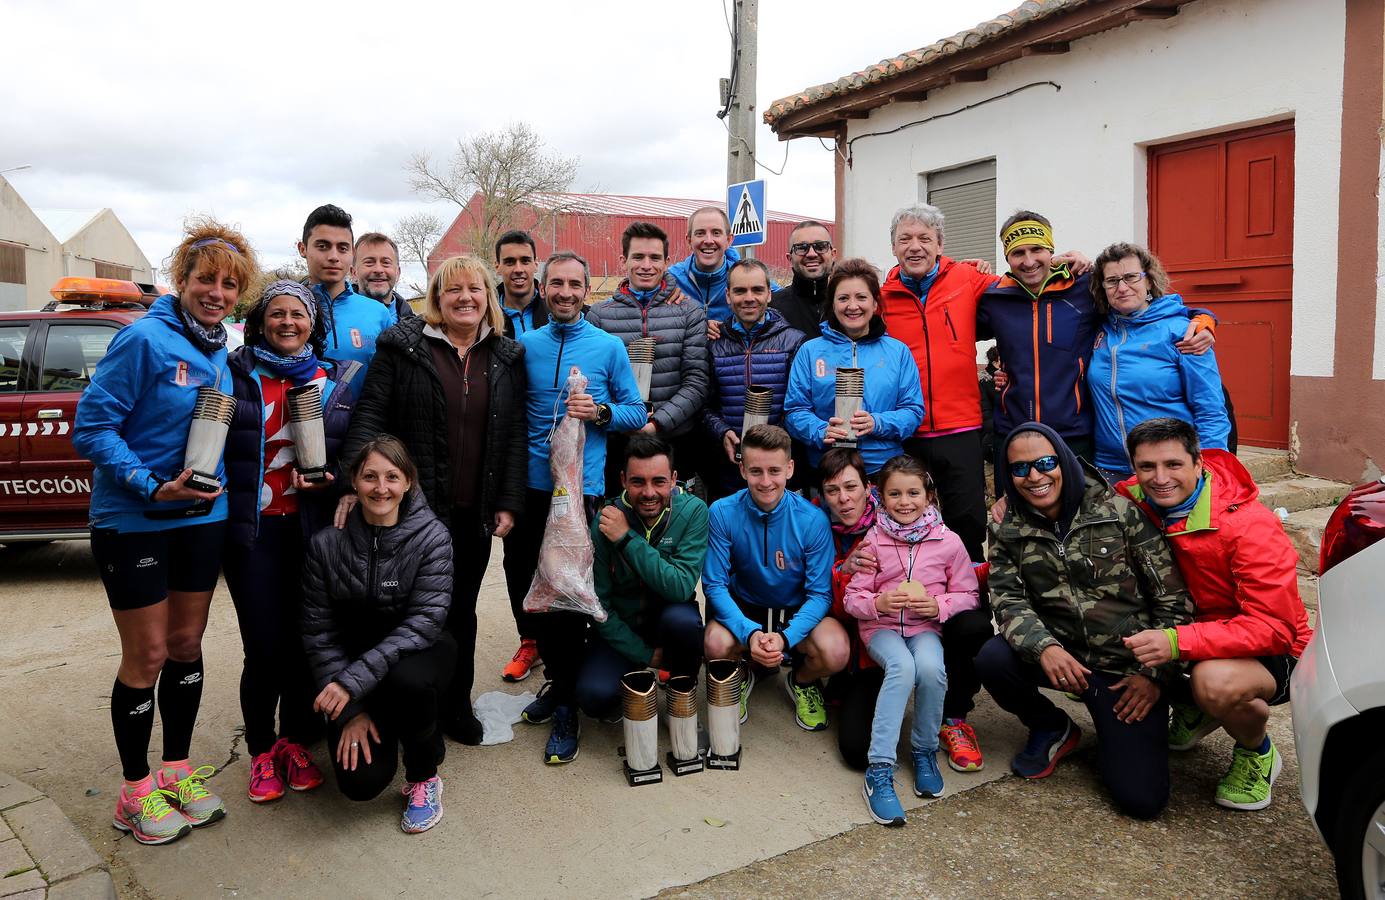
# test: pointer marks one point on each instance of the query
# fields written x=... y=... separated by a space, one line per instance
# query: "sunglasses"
x=1044 y=464
x=802 y=248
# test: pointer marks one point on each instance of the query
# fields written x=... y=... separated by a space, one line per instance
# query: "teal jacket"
x=645 y=571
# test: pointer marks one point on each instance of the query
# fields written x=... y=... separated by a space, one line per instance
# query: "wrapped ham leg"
x=563 y=582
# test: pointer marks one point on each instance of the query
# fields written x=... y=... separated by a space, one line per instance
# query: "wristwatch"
x=603 y=414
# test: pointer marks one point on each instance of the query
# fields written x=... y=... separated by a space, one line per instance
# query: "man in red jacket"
x=1250 y=625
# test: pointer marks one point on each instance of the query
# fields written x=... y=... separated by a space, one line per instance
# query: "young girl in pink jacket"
x=924 y=577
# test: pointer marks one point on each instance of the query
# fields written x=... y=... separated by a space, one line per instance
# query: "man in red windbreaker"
x=1250 y=625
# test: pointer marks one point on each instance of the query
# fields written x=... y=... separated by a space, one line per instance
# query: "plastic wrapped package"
x=563 y=582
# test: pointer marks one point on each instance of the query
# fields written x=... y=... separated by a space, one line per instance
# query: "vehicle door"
x=14 y=338
x=58 y=481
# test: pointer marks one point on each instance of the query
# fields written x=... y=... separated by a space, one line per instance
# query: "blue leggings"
x=912 y=665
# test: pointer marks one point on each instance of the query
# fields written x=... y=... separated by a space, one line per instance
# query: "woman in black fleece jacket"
x=375 y=598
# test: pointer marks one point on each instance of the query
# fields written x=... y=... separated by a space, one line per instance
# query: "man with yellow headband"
x=1044 y=320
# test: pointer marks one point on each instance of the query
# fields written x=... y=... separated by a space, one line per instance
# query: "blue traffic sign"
x=745 y=207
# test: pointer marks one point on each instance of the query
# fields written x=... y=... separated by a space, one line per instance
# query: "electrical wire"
x=754 y=157
x=1010 y=93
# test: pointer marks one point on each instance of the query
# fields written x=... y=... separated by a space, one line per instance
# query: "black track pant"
x=471 y=553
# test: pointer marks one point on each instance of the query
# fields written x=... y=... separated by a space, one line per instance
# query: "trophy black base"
x=313 y=476
x=638 y=777
x=846 y=445
x=730 y=763
x=681 y=767
x=201 y=481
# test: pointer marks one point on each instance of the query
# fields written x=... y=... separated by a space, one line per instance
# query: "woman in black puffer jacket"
x=452 y=387
x=375 y=599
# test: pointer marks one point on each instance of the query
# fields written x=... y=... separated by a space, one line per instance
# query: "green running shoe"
x=1247 y=784
x=1188 y=724
x=747 y=685
x=810 y=710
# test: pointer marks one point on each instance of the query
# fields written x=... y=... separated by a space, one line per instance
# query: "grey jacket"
x=372 y=595
x=679 y=386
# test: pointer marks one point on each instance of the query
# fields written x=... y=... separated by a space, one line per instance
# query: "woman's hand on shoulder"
x=344 y=507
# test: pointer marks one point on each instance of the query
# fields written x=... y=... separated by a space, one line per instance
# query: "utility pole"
x=739 y=98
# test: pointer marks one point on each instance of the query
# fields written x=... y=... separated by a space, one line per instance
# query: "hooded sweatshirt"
x=707 y=288
x=1138 y=374
x=1240 y=566
x=939 y=562
x=133 y=421
x=892 y=397
x=1100 y=573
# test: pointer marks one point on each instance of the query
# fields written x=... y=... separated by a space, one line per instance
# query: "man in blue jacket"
x=517 y=263
x=353 y=321
x=702 y=276
x=768 y=579
x=611 y=402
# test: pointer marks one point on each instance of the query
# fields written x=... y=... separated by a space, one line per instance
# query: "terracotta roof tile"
x=1024 y=14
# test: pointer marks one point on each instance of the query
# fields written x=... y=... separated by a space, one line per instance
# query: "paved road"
x=515 y=827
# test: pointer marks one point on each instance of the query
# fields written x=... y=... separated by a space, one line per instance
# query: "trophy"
x=309 y=440
x=851 y=391
x=639 y=702
x=684 y=758
x=641 y=351
x=211 y=417
x=758 y=402
x=724 y=679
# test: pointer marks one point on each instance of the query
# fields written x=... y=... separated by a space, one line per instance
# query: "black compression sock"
x=132 y=718
x=180 y=695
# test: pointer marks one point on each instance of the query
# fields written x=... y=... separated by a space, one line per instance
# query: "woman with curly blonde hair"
x=157 y=536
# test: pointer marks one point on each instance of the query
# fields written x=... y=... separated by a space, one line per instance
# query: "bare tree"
x=510 y=170
x=417 y=235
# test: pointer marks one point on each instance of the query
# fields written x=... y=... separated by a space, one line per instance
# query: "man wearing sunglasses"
x=1075 y=569
x=803 y=302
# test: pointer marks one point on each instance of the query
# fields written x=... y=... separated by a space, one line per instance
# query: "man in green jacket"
x=649 y=547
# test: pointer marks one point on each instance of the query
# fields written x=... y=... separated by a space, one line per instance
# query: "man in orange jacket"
x=1249 y=626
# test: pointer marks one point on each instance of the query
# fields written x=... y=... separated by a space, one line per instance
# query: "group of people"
x=1129 y=564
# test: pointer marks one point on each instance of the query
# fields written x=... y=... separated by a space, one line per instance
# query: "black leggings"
x=265 y=579
x=471 y=553
x=404 y=707
x=1132 y=758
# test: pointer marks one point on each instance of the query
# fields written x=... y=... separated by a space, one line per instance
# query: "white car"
x=1339 y=695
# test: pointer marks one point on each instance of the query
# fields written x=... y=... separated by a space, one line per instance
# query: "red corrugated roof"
x=635 y=205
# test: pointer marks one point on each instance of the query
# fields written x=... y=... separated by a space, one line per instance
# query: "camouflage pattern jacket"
x=1109 y=576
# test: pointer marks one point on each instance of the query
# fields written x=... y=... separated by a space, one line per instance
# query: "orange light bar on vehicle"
x=95 y=291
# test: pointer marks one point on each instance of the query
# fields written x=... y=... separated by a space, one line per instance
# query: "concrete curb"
x=42 y=855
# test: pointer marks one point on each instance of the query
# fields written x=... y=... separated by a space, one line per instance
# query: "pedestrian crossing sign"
x=745 y=203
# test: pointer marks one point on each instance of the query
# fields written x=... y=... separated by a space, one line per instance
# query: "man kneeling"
x=768 y=579
x=1249 y=626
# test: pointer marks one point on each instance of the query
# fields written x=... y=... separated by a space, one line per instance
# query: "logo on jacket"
x=821 y=367
x=180 y=377
x=356 y=340
x=780 y=561
x=1100 y=339
x=390 y=584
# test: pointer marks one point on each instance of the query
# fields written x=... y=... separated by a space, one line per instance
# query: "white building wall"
x=42 y=254
x=1078 y=155
x=105 y=239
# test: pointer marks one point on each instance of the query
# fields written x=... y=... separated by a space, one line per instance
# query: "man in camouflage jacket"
x=1074 y=569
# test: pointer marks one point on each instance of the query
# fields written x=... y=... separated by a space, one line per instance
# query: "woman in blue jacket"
x=1137 y=373
x=853 y=336
x=157 y=540
x=272 y=512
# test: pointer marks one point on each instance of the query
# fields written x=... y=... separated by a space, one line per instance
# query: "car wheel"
x=1359 y=841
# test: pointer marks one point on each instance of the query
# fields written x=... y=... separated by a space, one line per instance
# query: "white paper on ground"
x=497 y=711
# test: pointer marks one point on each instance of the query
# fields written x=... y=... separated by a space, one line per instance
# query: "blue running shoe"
x=422 y=806
x=928 y=779
x=881 y=799
x=541 y=709
x=562 y=741
x=1043 y=750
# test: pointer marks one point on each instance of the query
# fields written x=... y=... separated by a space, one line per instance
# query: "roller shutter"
x=966 y=195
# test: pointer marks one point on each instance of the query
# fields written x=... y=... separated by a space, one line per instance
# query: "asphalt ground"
x=791 y=822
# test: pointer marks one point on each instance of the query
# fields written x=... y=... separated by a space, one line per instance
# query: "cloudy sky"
x=256 y=112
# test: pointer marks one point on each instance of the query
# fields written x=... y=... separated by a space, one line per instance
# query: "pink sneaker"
x=145 y=813
x=294 y=760
x=265 y=783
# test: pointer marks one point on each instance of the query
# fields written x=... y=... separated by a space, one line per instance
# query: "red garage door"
x=1221 y=219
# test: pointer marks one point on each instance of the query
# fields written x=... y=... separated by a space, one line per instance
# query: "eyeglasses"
x=1130 y=278
x=1044 y=464
x=802 y=248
